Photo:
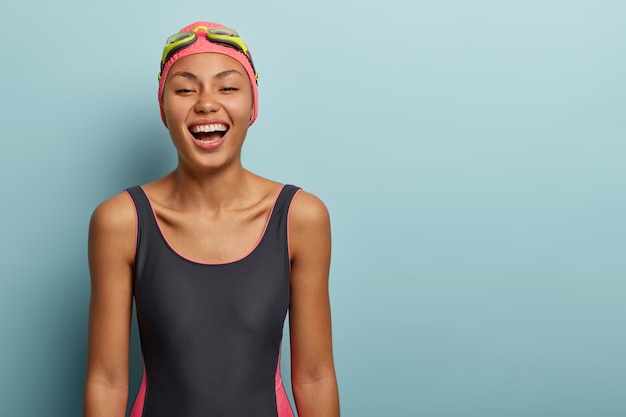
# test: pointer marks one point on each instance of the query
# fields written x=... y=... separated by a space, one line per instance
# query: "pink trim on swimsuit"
x=137 y=410
x=136 y=225
x=282 y=402
x=288 y=234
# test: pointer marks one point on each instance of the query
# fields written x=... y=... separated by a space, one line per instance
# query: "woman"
x=214 y=256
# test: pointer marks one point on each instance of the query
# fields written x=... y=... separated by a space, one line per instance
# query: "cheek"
x=171 y=110
x=174 y=120
x=247 y=107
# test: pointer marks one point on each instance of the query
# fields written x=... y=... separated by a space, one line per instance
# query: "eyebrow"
x=194 y=77
x=226 y=73
x=186 y=74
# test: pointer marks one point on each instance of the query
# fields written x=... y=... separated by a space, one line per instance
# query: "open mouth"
x=209 y=132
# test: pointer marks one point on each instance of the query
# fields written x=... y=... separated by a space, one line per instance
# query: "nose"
x=206 y=103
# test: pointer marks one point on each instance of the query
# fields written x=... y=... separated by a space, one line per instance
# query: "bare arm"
x=312 y=369
x=111 y=252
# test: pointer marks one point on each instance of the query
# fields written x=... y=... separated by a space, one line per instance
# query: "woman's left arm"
x=312 y=368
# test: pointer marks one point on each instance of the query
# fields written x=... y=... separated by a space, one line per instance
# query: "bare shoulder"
x=113 y=226
x=309 y=231
x=115 y=214
x=308 y=211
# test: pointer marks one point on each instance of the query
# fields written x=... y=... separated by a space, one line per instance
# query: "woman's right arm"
x=112 y=236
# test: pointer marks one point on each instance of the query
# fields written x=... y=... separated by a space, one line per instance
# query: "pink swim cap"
x=202 y=45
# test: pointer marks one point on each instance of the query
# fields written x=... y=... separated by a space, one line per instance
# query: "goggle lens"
x=222 y=36
x=178 y=37
x=223 y=32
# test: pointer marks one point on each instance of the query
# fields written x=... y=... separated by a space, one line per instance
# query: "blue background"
x=471 y=155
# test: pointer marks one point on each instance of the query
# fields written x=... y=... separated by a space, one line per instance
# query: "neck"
x=213 y=191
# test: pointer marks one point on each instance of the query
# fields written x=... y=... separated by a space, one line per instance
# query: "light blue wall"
x=471 y=154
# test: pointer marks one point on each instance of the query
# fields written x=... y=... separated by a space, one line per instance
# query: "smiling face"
x=207 y=105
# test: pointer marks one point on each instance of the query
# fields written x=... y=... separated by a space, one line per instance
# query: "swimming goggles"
x=221 y=36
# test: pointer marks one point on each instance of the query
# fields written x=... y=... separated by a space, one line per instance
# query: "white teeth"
x=218 y=127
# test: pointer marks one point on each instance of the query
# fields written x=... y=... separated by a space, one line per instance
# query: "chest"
x=213 y=239
x=184 y=301
x=179 y=299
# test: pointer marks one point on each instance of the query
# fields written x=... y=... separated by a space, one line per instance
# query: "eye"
x=229 y=88
x=184 y=91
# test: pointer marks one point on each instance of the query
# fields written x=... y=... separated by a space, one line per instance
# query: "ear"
x=162 y=111
x=163 y=118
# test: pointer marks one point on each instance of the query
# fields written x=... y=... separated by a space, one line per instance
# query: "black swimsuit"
x=211 y=333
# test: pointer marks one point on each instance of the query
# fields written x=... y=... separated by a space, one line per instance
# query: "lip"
x=212 y=145
x=209 y=146
x=201 y=122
